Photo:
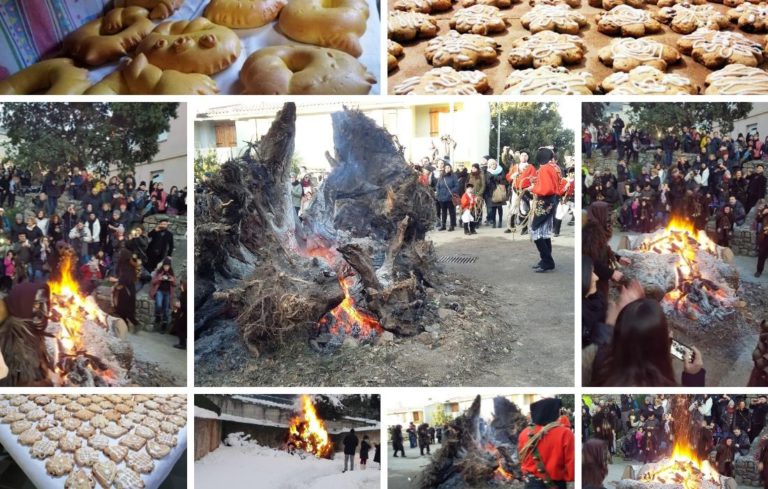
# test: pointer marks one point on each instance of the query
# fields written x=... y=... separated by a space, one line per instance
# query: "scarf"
x=495 y=172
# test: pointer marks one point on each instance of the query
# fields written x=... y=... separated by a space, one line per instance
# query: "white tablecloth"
x=35 y=469
x=268 y=35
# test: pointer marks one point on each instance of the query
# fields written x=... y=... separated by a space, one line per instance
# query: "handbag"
x=499 y=194
x=455 y=198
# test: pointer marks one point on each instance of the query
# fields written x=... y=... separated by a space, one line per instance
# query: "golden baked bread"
x=138 y=77
x=196 y=46
x=159 y=9
x=337 y=24
x=57 y=76
x=304 y=70
x=243 y=14
x=110 y=37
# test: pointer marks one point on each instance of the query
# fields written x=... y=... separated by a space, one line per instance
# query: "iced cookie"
x=493 y=3
x=104 y=472
x=303 y=70
x=423 y=6
x=144 y=432
x=84 y=415
x=406 y=26
x=86 y=456
x=36 y=414
x=158 y=9
x=114 y=430
x=646 y=80
x=98 y=441
x=55 y=433
x=461 y=51
x=168 y=427
x=107 y=38
x=737 y=79
x=609 y=4
x=670 y=3
x=157 y=450
x=166 y=439
x=128 y=479
x=570 y=3
x=43 y=449
x=444 y=81
x=70 y=423
x=546 y=48
x=19 y=427
x=559 y=18
x=478 y=19
x=750 y=17
x=134 y=442
x=70 y=443
x=715 y=49
x=197 y=46
x=625 y=54
x=627 y=21
x=339 y=24
x=549 y=80
x=243 y=14
x=60 y=464
x=394 y=51
x=116 y=453
x=140 y=462
x=30 y=437
x=79 y=479
x=685 y=18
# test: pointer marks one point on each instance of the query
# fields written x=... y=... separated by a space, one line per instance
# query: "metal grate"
x=460 y=259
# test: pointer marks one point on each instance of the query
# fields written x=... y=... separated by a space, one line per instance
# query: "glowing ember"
x=683 y=468
x=307 y=432
x=500 y=473
x=694 y=295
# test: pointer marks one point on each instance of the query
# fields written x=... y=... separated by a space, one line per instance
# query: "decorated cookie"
x=423 y=6
x=179 y=421
x=70 y=423
x=168 y=427
x=36 y=414
x=560 y=18
x=157 y=450
x=549 y=80
x=128 y=479
x=144 y=432
x=86 y=456
x=625 y=54
x=86 y=431
x=494 y=3
x=141 y=462
x=55 y=433
x=737 y=79
x=570 y=3
x=84 y=415
x=116 y=453
x=98 y=441
x=46 y=424
x=19 y=427
x=444 y=81
x=647 y=80
x=43 y=449
x=670 y=3
x=197 y=46
x=14 y=417
x=108 y=38
x=79 y=479
x=243 y=14
x=609 y=4
x=546 y=48
x=70 y=443
x=461 y=51
x=750 y=17
x=166 y=439
x=303 y=70
x=715 y=49
x=158 y=9
x=406 y=26
x=104 y=471
x=30 y=436
x=627 y=21
x=394 y=51
x=685 y=18
x=114 y=430
x=134 y=442
x=60 y=464
x=478 y=19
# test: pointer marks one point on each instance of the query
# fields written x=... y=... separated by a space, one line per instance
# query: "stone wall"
x=609 y=162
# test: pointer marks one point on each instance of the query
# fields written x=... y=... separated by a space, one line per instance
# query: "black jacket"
x=350 y=443
x=364 y=448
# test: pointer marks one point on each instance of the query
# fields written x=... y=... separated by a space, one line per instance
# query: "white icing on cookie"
x=723 y=44
x=550 y=80
x=646 y=80
x=407 y=20
x=640 y=49
x=444 y=80
x=623 y=15
x=546 y=43
x=540 y=16
x=738 y=79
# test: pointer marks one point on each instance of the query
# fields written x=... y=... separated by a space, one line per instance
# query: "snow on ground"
x=254 y=466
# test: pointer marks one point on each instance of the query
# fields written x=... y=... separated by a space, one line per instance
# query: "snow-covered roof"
x=362 y=420
x=205 y=413
x=263 y=402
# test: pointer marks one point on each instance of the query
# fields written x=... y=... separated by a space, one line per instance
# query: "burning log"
x=354 y=265
x=687 y=272
x=307 y=432
x=471 y=456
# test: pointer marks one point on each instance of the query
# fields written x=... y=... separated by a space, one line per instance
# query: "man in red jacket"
x=546 y=448
x=546 y=190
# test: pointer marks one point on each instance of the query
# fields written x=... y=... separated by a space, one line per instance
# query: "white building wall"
x=758 y=118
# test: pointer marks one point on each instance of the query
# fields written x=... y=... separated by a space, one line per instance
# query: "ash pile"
x=475 y=454
x=355 y=267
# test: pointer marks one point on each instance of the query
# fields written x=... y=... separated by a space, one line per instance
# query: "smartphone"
x=681 y=351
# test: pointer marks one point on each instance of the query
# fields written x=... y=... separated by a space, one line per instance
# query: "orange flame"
x=685 y=468
x=307 y=431
x=72 y=306
x=500 y=473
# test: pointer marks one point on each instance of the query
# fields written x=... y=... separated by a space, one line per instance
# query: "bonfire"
x=686 y=270
x=84 y=349
x=307 y=432
x=682 y=470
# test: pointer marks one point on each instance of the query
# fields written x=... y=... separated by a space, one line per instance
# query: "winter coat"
x=350 y=443
x=154 y=285
x=296 y=194
x=94 y=231
x=364 y=448
x=478 y=182
x=446 y=186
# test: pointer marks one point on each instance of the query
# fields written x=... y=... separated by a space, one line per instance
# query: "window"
x=156 y=176
x=416 y=416
x=390 y=121
x=434 y=119
x=225 y=135
x=751 y=128
x=454 y=407
x=163 y=136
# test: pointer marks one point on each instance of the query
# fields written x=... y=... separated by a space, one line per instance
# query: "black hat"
x=545 y=411
x=544 y=155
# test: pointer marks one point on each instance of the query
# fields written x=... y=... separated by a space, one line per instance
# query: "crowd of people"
x=720 y=429
x=718 y=178
x=478 y=196
x=102 y=231
x=351 y=442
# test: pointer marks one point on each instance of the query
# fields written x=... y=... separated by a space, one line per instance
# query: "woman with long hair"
x=594 y=464
x=639 y=353
x=594 y=308
x=595 y=237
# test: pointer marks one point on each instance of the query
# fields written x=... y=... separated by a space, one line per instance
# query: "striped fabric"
x=33 y=29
